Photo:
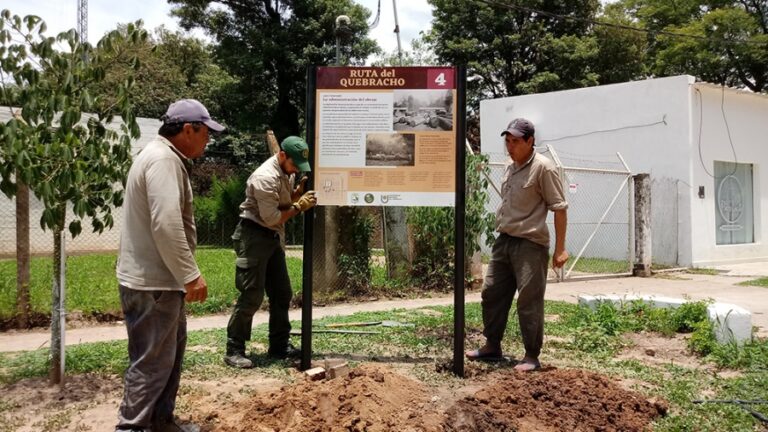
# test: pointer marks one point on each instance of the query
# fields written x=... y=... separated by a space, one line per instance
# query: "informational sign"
x=385 y=136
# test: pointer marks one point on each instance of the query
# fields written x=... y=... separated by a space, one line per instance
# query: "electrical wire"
x=727 y=128
x=613 y=25
x=637 y=126
x=375 y=22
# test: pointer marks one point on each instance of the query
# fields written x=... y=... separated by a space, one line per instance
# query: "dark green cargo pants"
x=517 y=265
x=260 y=268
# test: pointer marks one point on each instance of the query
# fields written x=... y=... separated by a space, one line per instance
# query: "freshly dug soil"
x=371 y=398
x=556 y=400
x=374 y=398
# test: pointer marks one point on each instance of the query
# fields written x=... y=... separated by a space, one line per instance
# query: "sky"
x=104 y=15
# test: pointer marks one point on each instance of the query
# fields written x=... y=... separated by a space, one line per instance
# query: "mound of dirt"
x=371 y=398
x=557 y=400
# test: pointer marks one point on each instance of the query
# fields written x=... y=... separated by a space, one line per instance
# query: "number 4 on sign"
x=440 y=79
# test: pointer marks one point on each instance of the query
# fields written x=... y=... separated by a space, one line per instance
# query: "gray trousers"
x=157 y=336
x=517 y=265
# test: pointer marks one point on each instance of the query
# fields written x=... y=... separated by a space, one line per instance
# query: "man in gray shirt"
x=156 y=268
x=531 y=187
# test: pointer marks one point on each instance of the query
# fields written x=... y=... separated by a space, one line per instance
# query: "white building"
x=705 y=147
x=41 y=242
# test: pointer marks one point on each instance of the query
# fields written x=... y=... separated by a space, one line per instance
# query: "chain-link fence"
x=41 y=241
x=598 y=191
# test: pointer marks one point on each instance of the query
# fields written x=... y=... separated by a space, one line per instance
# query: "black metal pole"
x=309 y=219
x=458 y=280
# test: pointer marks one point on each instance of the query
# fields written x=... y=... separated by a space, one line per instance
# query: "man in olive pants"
x=531 y=187
x=260 y=267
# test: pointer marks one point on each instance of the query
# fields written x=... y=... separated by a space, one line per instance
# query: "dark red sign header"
x=385 y=78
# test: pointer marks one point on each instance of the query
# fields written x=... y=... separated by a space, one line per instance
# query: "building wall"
x=746 y=116
x=648 y=122
x=41 y=242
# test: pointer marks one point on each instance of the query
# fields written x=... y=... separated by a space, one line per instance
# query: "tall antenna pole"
x=82 y=20
x=397 y=32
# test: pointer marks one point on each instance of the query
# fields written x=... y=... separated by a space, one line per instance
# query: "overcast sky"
x=104 y=15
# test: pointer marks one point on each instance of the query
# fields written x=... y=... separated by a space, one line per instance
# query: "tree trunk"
x=325 y=241
x=56 y=376
x=22 y=254
x=396 y=246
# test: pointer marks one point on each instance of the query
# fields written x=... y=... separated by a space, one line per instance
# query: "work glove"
x=306 y=202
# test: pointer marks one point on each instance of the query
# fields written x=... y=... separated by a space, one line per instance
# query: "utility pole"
x=397 y=32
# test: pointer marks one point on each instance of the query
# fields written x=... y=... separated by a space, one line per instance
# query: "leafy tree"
x=622 y=53
x=511 y=51
x=173 y=66
x=420 y=54
x=268 y=45
x=63 y=155
x=729 y=42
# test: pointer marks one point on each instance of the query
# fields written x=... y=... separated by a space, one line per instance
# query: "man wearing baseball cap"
x=530 y=188
x=156 y=269
x=259 y=239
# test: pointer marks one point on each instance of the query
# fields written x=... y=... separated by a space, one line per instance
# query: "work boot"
x=284 y=351
x=174 y=426
x=238 y=360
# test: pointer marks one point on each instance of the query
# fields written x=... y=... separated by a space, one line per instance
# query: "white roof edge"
x=741 y=91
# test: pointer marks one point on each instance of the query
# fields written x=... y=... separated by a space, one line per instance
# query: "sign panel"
x=385 y=136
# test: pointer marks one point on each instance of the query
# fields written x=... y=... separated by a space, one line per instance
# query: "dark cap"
x=298 y=150
x=190 y=111
x=520 y=127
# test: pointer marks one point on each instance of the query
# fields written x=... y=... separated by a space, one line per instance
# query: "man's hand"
x=197 y=290
x=299 y=190
x=559 y=259
x=306 y=202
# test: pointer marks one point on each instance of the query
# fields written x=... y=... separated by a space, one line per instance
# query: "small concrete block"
x=661 y=302
x=315 y=374
x=338 y=371
x=731 y=323
x=591 y=301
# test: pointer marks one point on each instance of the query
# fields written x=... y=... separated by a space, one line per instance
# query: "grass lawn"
x=92 y=286
x=576 y=338
x=599 y=265
x=762 y=282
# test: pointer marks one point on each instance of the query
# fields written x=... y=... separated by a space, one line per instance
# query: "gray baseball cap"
x=190 y=111
x=520 y=127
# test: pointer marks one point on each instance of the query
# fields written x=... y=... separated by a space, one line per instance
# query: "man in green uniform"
x=260 y=267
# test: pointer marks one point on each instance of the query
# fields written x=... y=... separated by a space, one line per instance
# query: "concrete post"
x=643 y=251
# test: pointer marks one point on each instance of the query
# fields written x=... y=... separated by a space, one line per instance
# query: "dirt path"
x=697 y=287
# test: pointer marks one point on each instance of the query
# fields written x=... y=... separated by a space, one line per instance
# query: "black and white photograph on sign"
x=422 y=110
x=385 y=149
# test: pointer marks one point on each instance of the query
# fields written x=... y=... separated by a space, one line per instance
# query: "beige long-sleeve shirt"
x=267 y=193
x=528 y=191
x=158 y=237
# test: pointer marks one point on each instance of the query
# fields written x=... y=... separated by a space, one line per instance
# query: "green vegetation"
x=702 y=271
x=92 y=286
x=599 y=265
x=762 y=282
x=577 y=337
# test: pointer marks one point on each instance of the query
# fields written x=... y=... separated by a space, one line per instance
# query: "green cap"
x=298 y=150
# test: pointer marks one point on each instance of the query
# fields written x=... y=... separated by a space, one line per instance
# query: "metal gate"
x=600 y=234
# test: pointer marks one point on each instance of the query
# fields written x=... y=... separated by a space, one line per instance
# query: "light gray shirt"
x=158 y=237
x=528 y=191
x=267 y=193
